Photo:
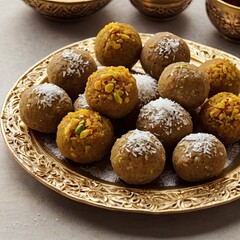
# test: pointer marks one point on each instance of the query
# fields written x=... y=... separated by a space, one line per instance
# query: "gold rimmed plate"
x=97 y=184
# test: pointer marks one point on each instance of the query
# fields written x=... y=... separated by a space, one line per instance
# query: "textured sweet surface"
x=164 y=111
x=138 y=157
x=42 y=107
x=112 y=91
x=81 y=102
x=167 y=46
x=140 y=142
x=184 y=83
x=200 y=143
x=147 y=88
x=47 y=94
x=198 y=157
x=70 y=69
x=223 y=76
x=220 y=115
x=162 y=49
x=118 y=44
x=76 y=63
x=84 y=136
x=166 y=119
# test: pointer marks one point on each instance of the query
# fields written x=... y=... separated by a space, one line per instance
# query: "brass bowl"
x=66 y=9
x=225 y=17
x=161 y=9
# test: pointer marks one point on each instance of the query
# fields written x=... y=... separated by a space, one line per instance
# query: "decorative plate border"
x=22 y=144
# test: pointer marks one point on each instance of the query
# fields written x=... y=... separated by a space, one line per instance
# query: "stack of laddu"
x=175 y=108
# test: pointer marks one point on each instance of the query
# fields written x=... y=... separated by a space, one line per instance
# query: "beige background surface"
x=28 y=209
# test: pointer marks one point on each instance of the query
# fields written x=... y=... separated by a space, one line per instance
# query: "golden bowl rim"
x=67 y=6
x=69 y=1
x=160 y=1
x=225 y=4
x=168 y=1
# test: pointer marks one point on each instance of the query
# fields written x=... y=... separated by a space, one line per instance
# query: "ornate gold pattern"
x=161 y=10
x=63 y=9
x=55 y=175
x=225 y=17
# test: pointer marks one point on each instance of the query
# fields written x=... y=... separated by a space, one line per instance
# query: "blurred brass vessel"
x=225 y=17
x=66 y=9
x=161 y=9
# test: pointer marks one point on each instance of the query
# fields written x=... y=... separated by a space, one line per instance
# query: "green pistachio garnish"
x=80 y=128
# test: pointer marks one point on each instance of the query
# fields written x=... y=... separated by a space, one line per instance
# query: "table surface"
x=28 y=209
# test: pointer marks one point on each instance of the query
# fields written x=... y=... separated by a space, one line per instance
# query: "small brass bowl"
x=66 y=9
x=225 y=17
x=161 y=9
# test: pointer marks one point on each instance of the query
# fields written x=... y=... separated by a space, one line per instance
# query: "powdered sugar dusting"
x=76 y=63
x=81 y=102
x=186 y=71
x=168 y=178
x=182 y=70
x=167 y=46
x=201 y=143
x=103 y=170
x=48 y=93
x=140 y=143
x=147 y=88
x=106 y=174
x=165 y=112
x=52 y=147
x=233 y=151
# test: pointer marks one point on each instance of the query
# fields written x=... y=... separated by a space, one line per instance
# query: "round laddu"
x=198 y=157
x=80 y=103
x=138 y=157
x=220 y=115
x=166 y=119
x=184 y=83
x=223 y=76
x=84 y=136
x=43 y=106
x=112 y=91
x=118 y=44
x=147 y=89
x=162 y=49
x=70 y=70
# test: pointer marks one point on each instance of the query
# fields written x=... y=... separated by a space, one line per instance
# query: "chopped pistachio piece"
x=79 y=128
x=97 y=85
x=117 y=46
x=84 y=133
x=109 y=87
x=117 y=98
